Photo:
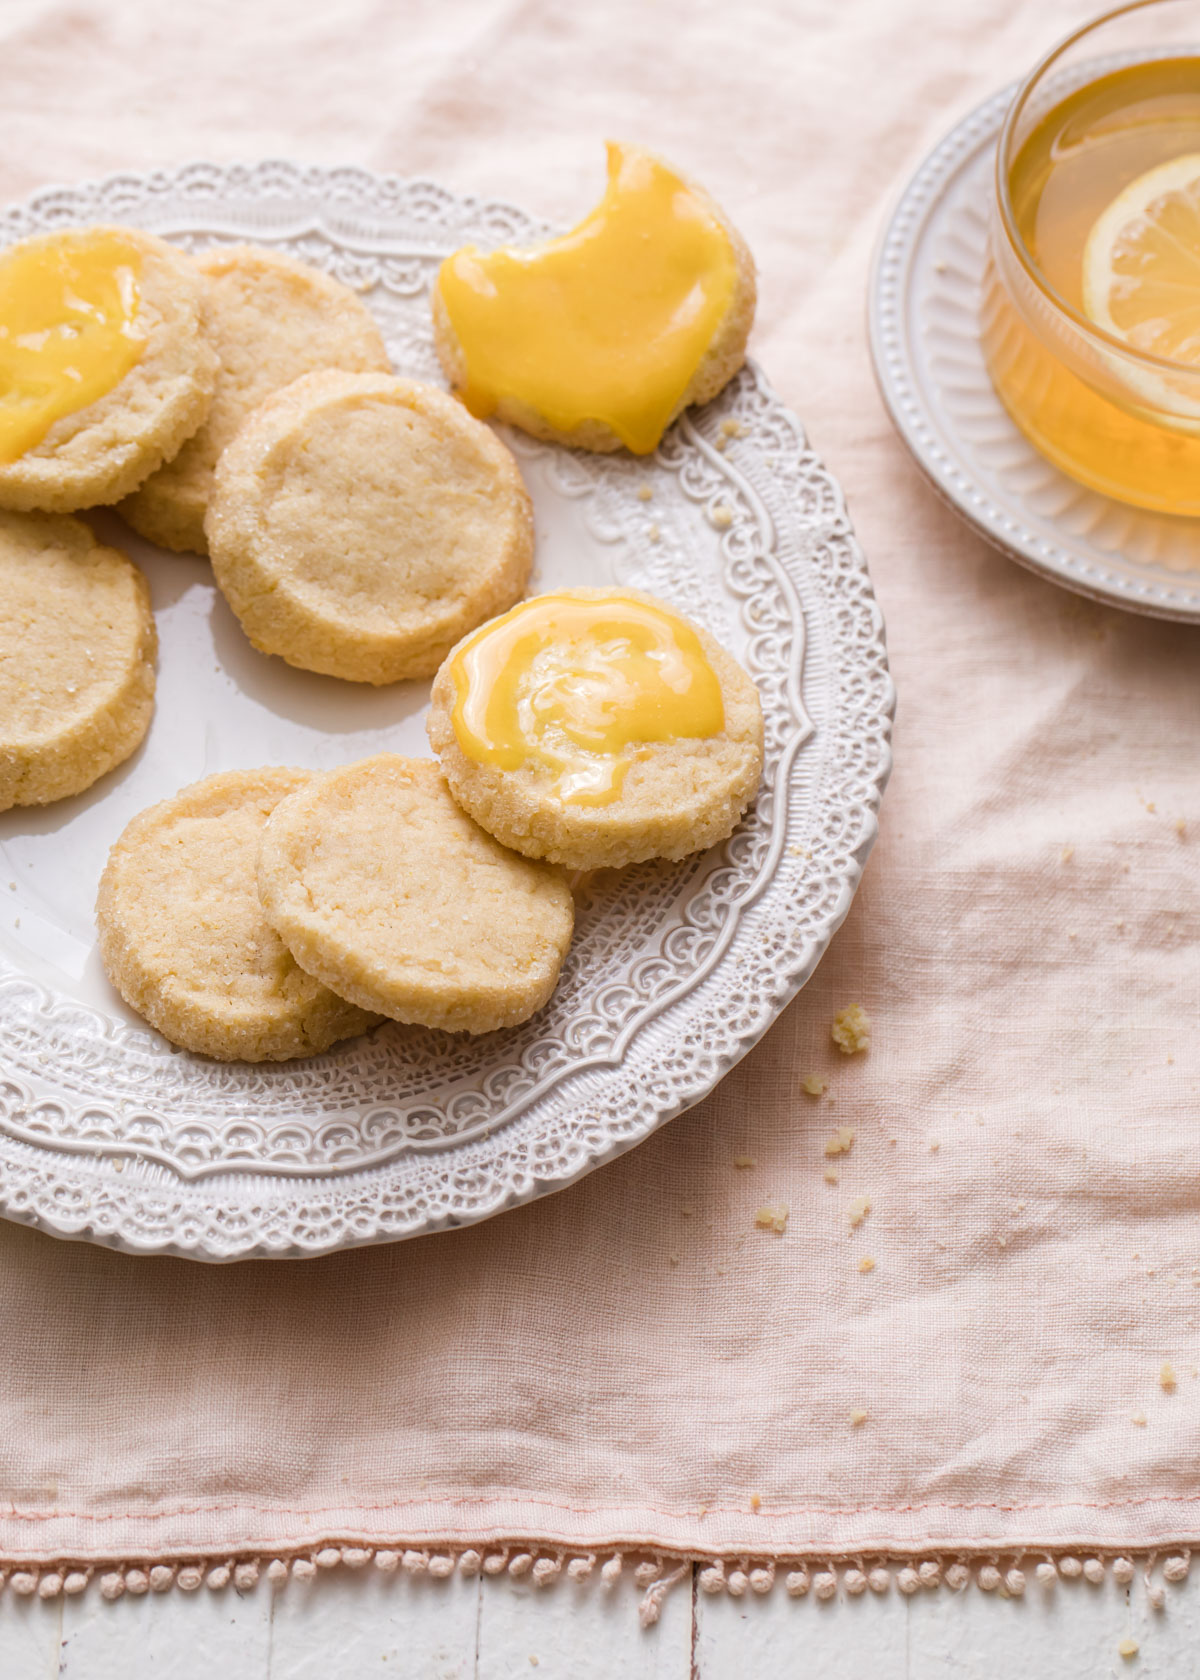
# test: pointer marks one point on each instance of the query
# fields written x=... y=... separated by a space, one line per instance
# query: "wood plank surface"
x=345 y=1625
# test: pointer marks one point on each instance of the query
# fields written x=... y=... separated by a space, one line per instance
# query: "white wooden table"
x=349 y=1625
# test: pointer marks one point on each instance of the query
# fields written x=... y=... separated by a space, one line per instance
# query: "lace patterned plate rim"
x=110 y=1135
x=923 y=314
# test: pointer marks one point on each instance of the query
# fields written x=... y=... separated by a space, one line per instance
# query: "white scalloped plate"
x=108 y=1133
x=924 y=315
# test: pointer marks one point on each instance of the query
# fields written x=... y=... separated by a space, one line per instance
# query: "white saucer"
x=924 y=313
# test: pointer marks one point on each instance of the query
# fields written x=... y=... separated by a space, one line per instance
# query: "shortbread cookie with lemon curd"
x=270 y=320
x=360 y=524
x=105 y=365
x=184 y=939
x=601 y=338
x=597 y=727
x=77 y=647
x=386 y=891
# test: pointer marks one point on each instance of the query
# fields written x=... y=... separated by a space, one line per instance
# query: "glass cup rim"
x=1081 y=322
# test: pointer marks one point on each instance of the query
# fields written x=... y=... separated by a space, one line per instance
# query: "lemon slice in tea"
x=1141 y=263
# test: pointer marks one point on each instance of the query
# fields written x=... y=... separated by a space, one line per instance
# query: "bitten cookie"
x=114 y=316
x=270 y=320
x=77 y=648
x=601 y=338
x=184 y=939
x=383 y=889
x=360 y=524
x=596 y=728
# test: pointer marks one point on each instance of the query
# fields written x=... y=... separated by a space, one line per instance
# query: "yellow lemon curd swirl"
x=68 y=308
x=608 y=323
x=579 y=687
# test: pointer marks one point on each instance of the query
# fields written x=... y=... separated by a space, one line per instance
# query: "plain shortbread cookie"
x=677 y=797
x=270 y=320
x=104 y=451
x=383 y=889
x=184 y=939
x=360 y=524
x=77 y=648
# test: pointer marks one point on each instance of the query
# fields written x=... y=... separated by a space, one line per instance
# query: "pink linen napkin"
x=633 y=1364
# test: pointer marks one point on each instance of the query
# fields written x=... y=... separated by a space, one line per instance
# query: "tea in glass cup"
x=1091 y=302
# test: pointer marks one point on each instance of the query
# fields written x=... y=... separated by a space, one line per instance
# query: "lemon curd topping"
x=608 y=323
x=581 y=687
x=68 y=334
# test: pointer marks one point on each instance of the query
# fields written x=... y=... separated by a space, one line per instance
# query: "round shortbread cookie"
x=77 y=646
x=677 y=796
x=184 y=939
x=383 y=889
x=270 y=320
x=103 y=451
x=360 y=524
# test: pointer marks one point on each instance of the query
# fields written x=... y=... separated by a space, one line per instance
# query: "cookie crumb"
x=1181 y=827
x=1166 y=1377
x=857 y=1418
x=722 y=516
x=1139 y=1418
x=1068 y=852
x=813 y=1085
x=858 y=1211
x=1128 y=1648
x=744 y=1161
x=755 y=1502
x=934 y=1145
x=851 y=1029
x=731 y=428
x=672 y=1259
x=644 y=493
x=772 y=1217
x=831 y=1177
x=841 y=1143
x=866 y=1264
